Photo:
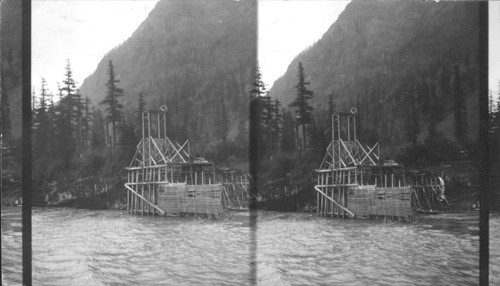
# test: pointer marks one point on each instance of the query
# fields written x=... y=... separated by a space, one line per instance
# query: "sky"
x=494 y=47
x=83 y=31
x=282 y=35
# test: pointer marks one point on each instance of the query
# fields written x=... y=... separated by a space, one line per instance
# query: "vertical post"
x=332 y=206
x=361 y=179
x=348 y=128
x=317 y=203
x=325 y=206
x=339 y=210
x=165 y=125
x=202 y=176
x=338 y=138
x=354 y=119
x=214 y=175
x=149 y=137
x=143 y=142
x=159 y=126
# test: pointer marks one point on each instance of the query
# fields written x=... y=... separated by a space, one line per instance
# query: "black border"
x=26 y=140
x=483 y=152
x=483 y=146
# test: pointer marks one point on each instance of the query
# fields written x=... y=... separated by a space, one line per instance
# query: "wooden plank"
x=335 y=202
x=145 y=200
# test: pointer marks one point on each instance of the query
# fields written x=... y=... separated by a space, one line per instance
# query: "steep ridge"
x=194 y=56
x=389 y=57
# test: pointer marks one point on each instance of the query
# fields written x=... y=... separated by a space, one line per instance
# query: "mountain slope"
x=11 y=64
x=194 y=56
x=388 y=57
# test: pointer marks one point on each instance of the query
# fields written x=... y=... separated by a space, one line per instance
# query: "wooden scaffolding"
x=163 y=178
x=352 y=180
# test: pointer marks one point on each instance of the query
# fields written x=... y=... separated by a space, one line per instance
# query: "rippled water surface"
x=86 y=247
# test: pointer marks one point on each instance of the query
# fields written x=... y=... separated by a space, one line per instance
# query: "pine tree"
x=258 y=86
x=303 y=109
x=288 y=139
x=70 y=98
x=64 y=135
x=42 y=123
x=258 y=89
x=34 y=124
x=51 y=134
x=259 y=114
x=97 y=140
x=79 y=105
x=276 y=125
x=111 y=100
x=86 y=122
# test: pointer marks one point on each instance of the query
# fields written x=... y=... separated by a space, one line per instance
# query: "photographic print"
x=250 y=142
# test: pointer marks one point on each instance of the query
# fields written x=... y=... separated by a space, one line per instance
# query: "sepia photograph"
x=250 y=142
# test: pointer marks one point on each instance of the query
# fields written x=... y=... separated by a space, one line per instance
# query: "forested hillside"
x=195 y=56
x=10 y=35
x=398 y=62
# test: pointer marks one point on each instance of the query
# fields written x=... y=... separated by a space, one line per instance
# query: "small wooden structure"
x=163 y=177
x=352 y=180
x=428 y=194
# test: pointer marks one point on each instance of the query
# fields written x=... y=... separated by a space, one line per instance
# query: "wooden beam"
x=145 y=200
x=335 y=202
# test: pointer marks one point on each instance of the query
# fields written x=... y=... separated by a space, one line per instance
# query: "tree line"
x=287 y=128
x=70 y=133
x=295 y=128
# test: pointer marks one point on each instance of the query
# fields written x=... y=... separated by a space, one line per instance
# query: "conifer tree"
x=42 y=123
x=113 y=108
x=303 y=109
x=288 y=138
x=86 y=122
x=258 y=86
x=97 y=140
x=70 y=98
x=259 y=113
x=51 y=134
x=276 y=125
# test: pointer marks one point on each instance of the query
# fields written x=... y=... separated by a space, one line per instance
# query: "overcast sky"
x=84 y=31
x=286 y=28
x=494 y=46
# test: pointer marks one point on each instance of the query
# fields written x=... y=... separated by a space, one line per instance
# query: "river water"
x=89 y=247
